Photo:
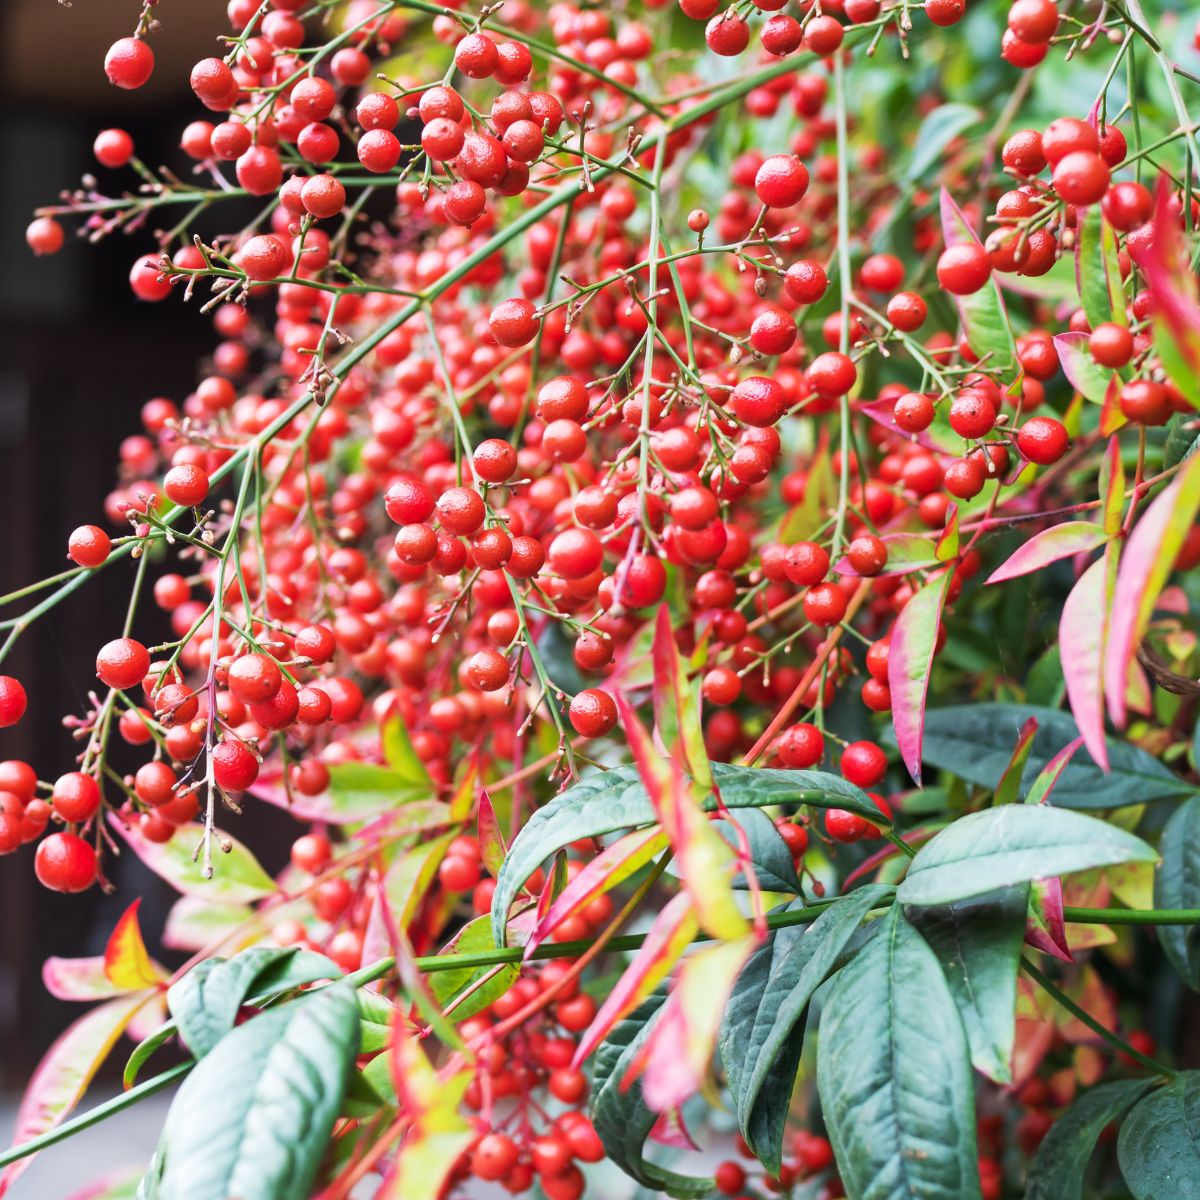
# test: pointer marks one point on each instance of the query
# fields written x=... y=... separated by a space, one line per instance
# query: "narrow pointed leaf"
x=1060 y=541
x=621 y=1116
x=492 y=847
x=1146 y=563
x=66 y=1070
x=974 y=742
x=759 y=1045
x=913 y=642
x=999 y=847
x=669 y=936
x=1112 y=487
x=676 y=709
x=894 y=1074
x=1008 y=790
x=1081 y=636
x=675 y=1059
x=126 y=962
x=1098 y=269
x=613 y=800
x=78 y=979
x=977 y=943
x=474 y=937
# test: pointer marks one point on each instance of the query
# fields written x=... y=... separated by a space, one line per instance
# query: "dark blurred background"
x=79 y=358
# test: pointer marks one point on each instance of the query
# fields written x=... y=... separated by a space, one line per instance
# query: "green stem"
x=1081 y=1014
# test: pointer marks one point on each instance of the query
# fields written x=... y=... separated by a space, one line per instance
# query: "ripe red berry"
x=593 y=713
x=88 y=546
x=254 y=678
x=781 y=181
x=234 y=767
x=963 y=269
x=1081 y=177
x=514 y=322
x=575 y=553
x=863 y=764
x=186 y=485
x=122 y=663
x=845 y=826
x=801 y=746
x=1042 y=440
x=76 y=797
x=12 y=701
x=129 y=62
x=112 y=147
x=65 y=863
x=44 y=235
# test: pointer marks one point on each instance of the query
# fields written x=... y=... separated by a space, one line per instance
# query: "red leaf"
x=491 y=841
x=126 y=963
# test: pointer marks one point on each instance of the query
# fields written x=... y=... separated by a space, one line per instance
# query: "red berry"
x=863 y=764
x=781 y=181
x=234 y=767
x=12 y=701
x=65 y=863
x=1042 y=440
x=129 y=62
x=122 y=663
x=593 y=713
x=963 y=269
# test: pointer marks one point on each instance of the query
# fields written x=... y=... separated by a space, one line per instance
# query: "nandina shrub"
x=704 y=550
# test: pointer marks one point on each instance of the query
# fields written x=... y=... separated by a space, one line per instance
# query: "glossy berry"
x=122 y=663
x=863 y=764
x=65 y=863
x=963 y=269
x=1042 y=440
x=129 y=63
x=593 y=713
x=781 y=181
x=12 y=701
x=88 y=546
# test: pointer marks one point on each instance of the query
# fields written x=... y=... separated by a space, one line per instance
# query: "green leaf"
x=1159 y=1144
x=612 y=800
x=894 y=1074
x=376 y=1014
x=937 y=131
x=999 y=847
x=1057 y=1170
x=1183 y=439
x=1097 y=270
x=475 y=937
x=620 y=1115
x=975 y=741
x=978 y=944
x=237 y=878
x=205 y=1001
x=360 y=791
x=773 y=865
x=402 y=758
x=254 y=1117
x=762 y=1033
x=983 y=315
x=1177 y=885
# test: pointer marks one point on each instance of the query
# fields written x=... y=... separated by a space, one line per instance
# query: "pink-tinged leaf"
x=556 y=882
x=676 y=710
x=671 y=1130
x=669 y=936
x=78 y=979
x=1009 y=787
x=237 y=876
x=610 y=868
x=1163 y=258
x=64 y=1073
x=1099 y=1001
x=1081 y=636
x=1146 y=564
x=983 y=315
x=1051 y=773
x=1111 y=416
x=1083 y=372
x=913 y=837
x=910 y=659
x=1044 y=928
x=426 y=1164
x=492 y=848
x=126 y=962
x=938 y=437
x=706 y=862
x=404 y=889
x=947 y=545
x=675 y=1059
x=194 y=924
x=907 y=552
x=462 y=802
x=116 y=1185
x=1061 y=541
x=1112 y=488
